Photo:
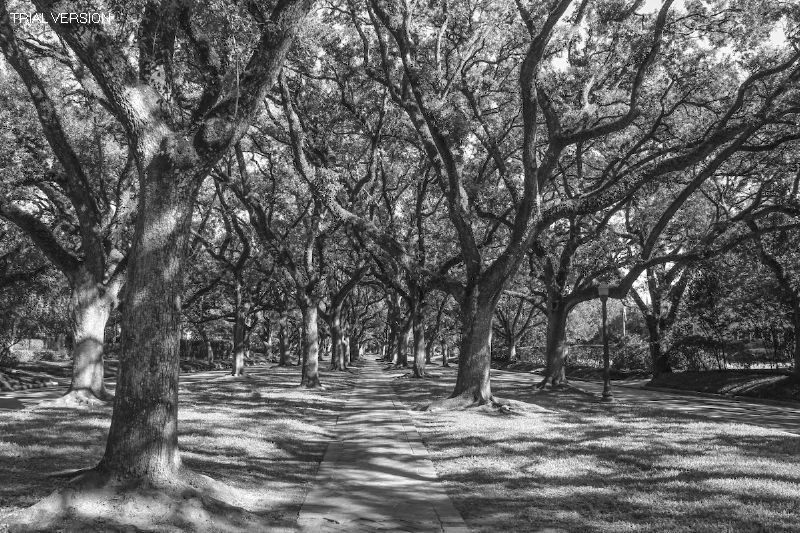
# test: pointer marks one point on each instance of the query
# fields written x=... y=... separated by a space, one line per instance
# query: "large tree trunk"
x=209 y=347
x=404 y=339
x=355 y=349
x=796 y=323
x=420 y=358
x=512 y=349
x=337 y=341
x=143 y=439
x=556 y=343
x=310 y=378
x=239 y=344
x=659 y=359
x=391 y=346
x=89 y=310
x=445 y=354
x=282 y=344
x=472 y=383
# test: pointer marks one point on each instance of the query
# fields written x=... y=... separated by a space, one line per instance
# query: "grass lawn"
x=751 y=383
x=262 y=435
x=585 y=466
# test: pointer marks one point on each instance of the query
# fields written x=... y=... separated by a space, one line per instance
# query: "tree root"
x=494 y=405
x=95 y=502
x=79 y=398
x=423 y=375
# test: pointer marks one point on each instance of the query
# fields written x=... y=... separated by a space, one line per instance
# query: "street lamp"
x=602 y=291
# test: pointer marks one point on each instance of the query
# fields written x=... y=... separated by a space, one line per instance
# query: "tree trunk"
x=337 y=341
x=391 y=347
x=310 y=377
x=404 y=339
x=239 y=345
x=473 y=386
x=512 y=349
x=143 y=439
x=355 y=350
x=659 y=359
x=420 y=357
x=207 y=346
x=282 y=345
x=796 y=317
x=90 y=308
x=556 y=343
x=445 y=354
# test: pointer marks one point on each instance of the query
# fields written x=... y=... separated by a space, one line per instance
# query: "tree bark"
x=239 y=344
x=403 y=340
x=420 y=357
x=209 y=347
x=556 y=343
x=391 y=346
x=143 y=438
x=337 y=341
x=282 y=344
x=796 y=324
x=659 y=359
x=512 y=349
x=355 y=350
x=310 y=377
x=445 y=354
x=90 y=308
x=472 y=383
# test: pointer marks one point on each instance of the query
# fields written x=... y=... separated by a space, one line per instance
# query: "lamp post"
x=602 y=291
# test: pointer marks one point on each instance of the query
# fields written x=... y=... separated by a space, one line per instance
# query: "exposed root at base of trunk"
x=80 y=399
x=312 y=386
x=560 y=385
x=493 y=405
x=95 y=502
x=421 y=375
x=459 y=403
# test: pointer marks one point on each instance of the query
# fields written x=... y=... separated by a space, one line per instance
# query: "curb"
x=683 y=392
x=743 y=399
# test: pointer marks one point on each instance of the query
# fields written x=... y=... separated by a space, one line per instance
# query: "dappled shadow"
x=653 y=464
x=263 y=435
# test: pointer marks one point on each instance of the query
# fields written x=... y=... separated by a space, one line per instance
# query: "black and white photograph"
x=400 y=266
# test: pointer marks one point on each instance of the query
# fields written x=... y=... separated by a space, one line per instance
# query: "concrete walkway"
x=376 y=475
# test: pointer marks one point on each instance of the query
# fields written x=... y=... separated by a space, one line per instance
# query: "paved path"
x=376 y=475
x=784 y=418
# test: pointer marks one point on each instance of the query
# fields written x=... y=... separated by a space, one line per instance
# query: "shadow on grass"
x=264 y=436
x=586 y=466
